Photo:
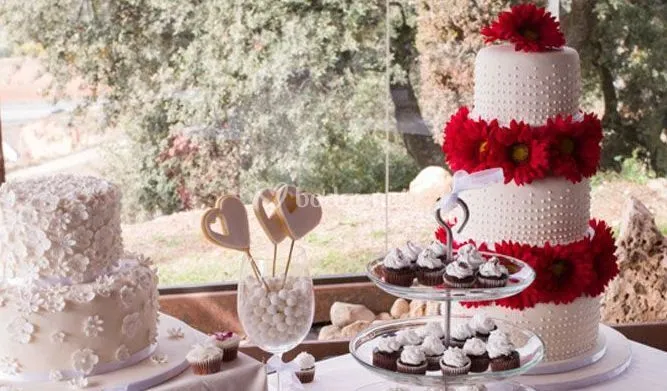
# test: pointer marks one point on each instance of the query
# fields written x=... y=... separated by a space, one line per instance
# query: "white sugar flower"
x=78 y=211
x=28 y=301
x=175 y=333
x=84 y=360
x=55 y=375
x=9 y=366
x=81 y=294
x=62 y=246
x=83 y=237
x=159 y=359
x=104 y=285
x=127 y=296
x=30 y=271
x=131 y=324
x=46 y=202
x=58 y=337
x=54 y=298
x=152 y=335
x=77 y=383
x=21 y=330
x=122 y=353
x=93 y=326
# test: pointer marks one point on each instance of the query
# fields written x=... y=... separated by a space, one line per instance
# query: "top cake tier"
x=60 y=229
x=529 y=87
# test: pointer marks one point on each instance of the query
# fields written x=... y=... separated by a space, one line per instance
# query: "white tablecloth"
x=647 y=372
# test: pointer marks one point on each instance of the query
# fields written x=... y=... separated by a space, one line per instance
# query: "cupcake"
x=386 y=353
x=459 y=275
x=306 y=362
x=228 y=342
x=475 y=349
x=408 y=337
x=454 y=362
x=429 y=268
x=482 y=326
x=439 y=249
x=205 y=359
x=492 y=274
x=468 y=253
x=411 y=251
x=412 y=360
x=501 y=352
x=460 y=334
x=433 y=349
x=398 y=269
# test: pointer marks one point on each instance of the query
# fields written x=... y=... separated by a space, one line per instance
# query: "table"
x=647 y=372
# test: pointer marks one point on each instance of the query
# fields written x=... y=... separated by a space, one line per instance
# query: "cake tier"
x=529 y=87
x=63 y=228
x=551 y=210
x=567 y=330
x=78 y=327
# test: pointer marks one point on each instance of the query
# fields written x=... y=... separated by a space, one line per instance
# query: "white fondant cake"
x=70 y=304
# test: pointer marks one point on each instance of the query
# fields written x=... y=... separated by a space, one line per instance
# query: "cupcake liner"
x=453 y=371
x=452 y=282
x=411 y=369
x=230 y=354
x=385 y=360
x=207 y=367
x=479 y=364
x=306 y=375
x=430 y=277
x=433 y=363
x=505 y=363
x=400 y=277
x=492 y=282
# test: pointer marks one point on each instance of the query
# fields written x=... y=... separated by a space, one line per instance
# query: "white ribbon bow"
x=463 y=181
x=286 y=372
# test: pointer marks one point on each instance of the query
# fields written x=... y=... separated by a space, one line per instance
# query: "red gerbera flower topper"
x=529 y=28
x=522 y=156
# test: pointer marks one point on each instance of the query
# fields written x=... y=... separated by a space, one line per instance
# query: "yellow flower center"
x=559 y=268
x=567 y=146
x=483 y=147
x=519 y=153
x=530 y=35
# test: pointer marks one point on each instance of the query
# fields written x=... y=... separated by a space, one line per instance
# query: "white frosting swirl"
x=432 y=346
x=481 y=323
x=396 y=260
x=429 y=260
x=459 y=270
x=461 y=332
x=438 y=248
x=411 y=251
x=305 y=360
x=493 y=268
x=469 y=254
x=413 y=355
x=204 y=352
x=431 y=328
x=388 y=345
x=499 y=344
x=408 y=337
x=474 y=347
x=455 y=358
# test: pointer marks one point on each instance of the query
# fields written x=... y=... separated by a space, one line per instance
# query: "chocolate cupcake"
x=459 y=275
x=228 y=342
x=475 y=349
x=306 y=362
x=433 y=349
x=454 y=362
x=482 y=326
x=501 y=352
x=386 y=353
x=411 y=251
x=492 y=274
x=459 y=335
x=439 y=249
x=468 y=253
x=412 y=361
x=429 y=268
x=205 y=359
x=398 y=269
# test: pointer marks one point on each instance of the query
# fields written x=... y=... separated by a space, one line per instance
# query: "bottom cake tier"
x=567 y=330
x=58 y=331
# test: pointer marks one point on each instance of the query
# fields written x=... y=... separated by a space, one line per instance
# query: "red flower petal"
x=603 y=249
x=529 y=28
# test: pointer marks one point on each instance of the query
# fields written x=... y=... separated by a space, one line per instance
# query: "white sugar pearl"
x=264 y=302
x=289 y=311
x=258 y=310
x=290 y=320
x=272 y=309
x=291 y=301
x=274 y=298
x=283 y=294
x=282 y=327
x=267 y=318
x=278 y=318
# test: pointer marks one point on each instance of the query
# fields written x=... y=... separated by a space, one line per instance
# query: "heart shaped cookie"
x=269 y=220
x=234 y=233
x=300 y=212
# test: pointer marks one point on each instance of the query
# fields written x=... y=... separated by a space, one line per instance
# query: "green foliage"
x=632 y=169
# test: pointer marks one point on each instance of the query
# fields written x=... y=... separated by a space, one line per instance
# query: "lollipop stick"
x=275 y=254
x=289 y=260
x=255 y=269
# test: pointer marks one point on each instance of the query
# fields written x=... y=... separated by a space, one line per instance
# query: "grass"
x=632 y=170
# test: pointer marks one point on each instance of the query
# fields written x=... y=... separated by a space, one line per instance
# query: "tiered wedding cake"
x=526 y=120
x=72 y=304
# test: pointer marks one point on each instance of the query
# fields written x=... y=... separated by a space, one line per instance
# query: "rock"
x=430 y=184
x=343 y=314
x=328 y=333
x=639 y=293
x=383 y=316
x=400 y=307
x=432 y=308
x=354 y=328
x=417 y=308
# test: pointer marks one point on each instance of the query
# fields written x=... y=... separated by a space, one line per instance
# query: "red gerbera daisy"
x=466 y=145
x=529 y=28
x=574 y=146
x=602 y=249
x=523 y=252
x=521 y=153
x=563 y=272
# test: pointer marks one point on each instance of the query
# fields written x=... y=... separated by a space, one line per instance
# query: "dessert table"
x=646 y=373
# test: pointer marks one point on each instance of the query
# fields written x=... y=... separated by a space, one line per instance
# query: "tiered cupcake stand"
x=529 y=345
